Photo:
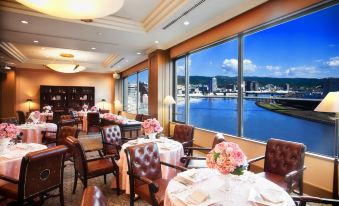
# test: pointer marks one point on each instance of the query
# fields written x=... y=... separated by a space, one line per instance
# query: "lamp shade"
x=29 y=100
x=169 y=100
x=75 y=9
x=103 y=100
x=329 y=104
x=66 y=68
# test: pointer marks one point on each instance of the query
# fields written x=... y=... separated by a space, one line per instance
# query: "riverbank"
x=295 y=112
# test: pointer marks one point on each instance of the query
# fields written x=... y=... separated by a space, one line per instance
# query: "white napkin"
x=267 y=196
x=197 y=197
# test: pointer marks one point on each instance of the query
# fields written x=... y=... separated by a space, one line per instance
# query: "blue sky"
x=304 y=47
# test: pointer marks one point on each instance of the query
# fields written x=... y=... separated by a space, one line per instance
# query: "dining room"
x=169 y=103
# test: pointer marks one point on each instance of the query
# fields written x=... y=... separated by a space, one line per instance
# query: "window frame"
x=123 y=89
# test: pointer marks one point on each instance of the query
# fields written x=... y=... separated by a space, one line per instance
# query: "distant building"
x=230 y=87
x=286 y=87
x=252 y=86
x=330 y=85
x=213 y=85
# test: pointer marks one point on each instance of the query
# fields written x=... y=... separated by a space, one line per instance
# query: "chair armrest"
x=199 y=148
x=174 y=166
x=192 y=158
x=290 y=176
x=154 y=187
x=9 y=179
x=128 y=139
x=104 y=157
x=251 y=161
x=305 y=199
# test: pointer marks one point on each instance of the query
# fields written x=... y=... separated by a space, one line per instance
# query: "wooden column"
x=7 y=94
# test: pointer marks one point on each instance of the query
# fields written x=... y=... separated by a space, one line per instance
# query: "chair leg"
x=61 y=191
x=104 y=179
x=75 y=182
x=85 y=183
x=117 y=181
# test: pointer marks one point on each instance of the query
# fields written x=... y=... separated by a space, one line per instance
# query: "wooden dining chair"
x=93 y=121
x=145 y=177
x=92 y=196
x=303 y=200
x=21 y=117
x=284 y=164
x=185 y=135
x=85 y=169
x=138 y=117
x=112 y=140
x=40 y=173
x=200 y=162
x=63 y=130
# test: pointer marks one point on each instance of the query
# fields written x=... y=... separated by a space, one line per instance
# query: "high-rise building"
x=213 y=85
x=252 y=86
x=330 y=85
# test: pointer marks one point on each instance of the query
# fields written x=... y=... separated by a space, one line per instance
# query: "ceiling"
x=112 y=43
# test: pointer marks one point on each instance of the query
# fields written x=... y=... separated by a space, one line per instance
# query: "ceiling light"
x=93 y=48
x=156 y=41
x=99 y=33
x=7 y=67
x=126 y=60
x=10 y=63
x=24 y=22
x=43 y=48
x=36 y=41
x=186 y=23
x=139 y=53
x=66 y=68
x=75 y=9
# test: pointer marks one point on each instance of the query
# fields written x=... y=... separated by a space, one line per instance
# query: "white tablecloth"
x=238 y=192
x=10 y=160
x=170 y=152
x=32 y=132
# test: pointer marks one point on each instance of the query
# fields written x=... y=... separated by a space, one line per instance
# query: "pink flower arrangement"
x=110 y=116
x=94 y=109
x=227 y=158
x=85 y=107
x=36 y=114
x=8 y=131
x=47 y=108
x=151 y=126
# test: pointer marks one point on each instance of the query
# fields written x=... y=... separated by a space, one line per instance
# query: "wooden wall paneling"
x=153 y=85
x=257 y=16
x=7 y=98
x=134 y=69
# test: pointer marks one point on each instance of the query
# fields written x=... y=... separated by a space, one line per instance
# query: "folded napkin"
x=267 y=196
x=197 y=197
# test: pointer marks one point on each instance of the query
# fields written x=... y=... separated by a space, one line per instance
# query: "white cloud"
x=333 y=62
x=272 y=68
x=232 y=64
x=302 y=71
x=181 y=70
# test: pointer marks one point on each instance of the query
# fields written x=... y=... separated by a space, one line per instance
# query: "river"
x=220 y=114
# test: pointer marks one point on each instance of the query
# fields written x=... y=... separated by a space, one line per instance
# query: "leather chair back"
x=93 y=118
x=144 y=160
x=283 y=157
x=56 y=116
x=79 y=156
x=93 y=196
x=65 y=117
x=41 y=171
x=64 y=132
x=183 y=132
x=218 y=138
x=21 y=117
x=111 y=137
x=138 y=117
x=145 y=117
x=103 y=111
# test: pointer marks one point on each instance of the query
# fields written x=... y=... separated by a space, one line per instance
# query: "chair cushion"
x=197 y=164
x=99 y=167
x=144 y=193
x=9 y=190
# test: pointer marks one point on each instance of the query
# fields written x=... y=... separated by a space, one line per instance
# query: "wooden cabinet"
x=66 y=97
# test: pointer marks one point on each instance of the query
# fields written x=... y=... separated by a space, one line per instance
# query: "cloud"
x=232 y=65
x=301 y=71
x=180 y=69
x=272 y=68
x=333 y=62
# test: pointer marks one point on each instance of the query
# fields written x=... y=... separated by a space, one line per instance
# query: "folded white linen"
x=267 y=196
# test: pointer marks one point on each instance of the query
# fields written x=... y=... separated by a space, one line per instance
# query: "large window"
x=286 y=70
x=136 y=93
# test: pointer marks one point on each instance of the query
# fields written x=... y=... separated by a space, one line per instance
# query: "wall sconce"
x=29 y=104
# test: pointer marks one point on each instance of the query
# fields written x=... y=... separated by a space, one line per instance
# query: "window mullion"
x=240 y=82
x=186 y=90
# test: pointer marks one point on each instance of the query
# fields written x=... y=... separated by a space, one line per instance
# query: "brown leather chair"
x=138 y=117
x=185 y=135
x=40 y=172
x=145 y=117
x=93 y=121
x=103 y=111
x=65 y=128
x=284 y=164
x=56 y=116
x=21 y=117
x=92 y=196
x=144 y=170
x=200 y=162
x=302 y=200
x=86 y=169
x=112 y=140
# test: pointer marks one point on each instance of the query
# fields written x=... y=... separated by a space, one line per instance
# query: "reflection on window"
x=136 y=93
x=180 y=108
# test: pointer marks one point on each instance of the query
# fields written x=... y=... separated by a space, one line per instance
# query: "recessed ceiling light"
x=156 y=41
x=43 y=48
x=99 y=33
x=139 y=53
x=10 y=63
x=93 y=48
x=186 y=23
x=126 y=60
x=36 y=41
x=24 y=22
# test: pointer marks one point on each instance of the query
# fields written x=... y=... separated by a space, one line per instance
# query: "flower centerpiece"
x=47 y=108
x=85 y=107
x=7 y=132
x=109 y=116
x=227 y=158
x=120 y=119
x=151 y=127
x=94 y=109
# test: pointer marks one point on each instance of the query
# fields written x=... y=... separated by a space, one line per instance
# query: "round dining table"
x=31 y=133
x=170 y=152
x=204 y=187
x=10 y=159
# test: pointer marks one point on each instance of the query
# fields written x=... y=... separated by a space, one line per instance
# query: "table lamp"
x=103 y=103
x=169 y=100
x=29 y=104
x=330 y=104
